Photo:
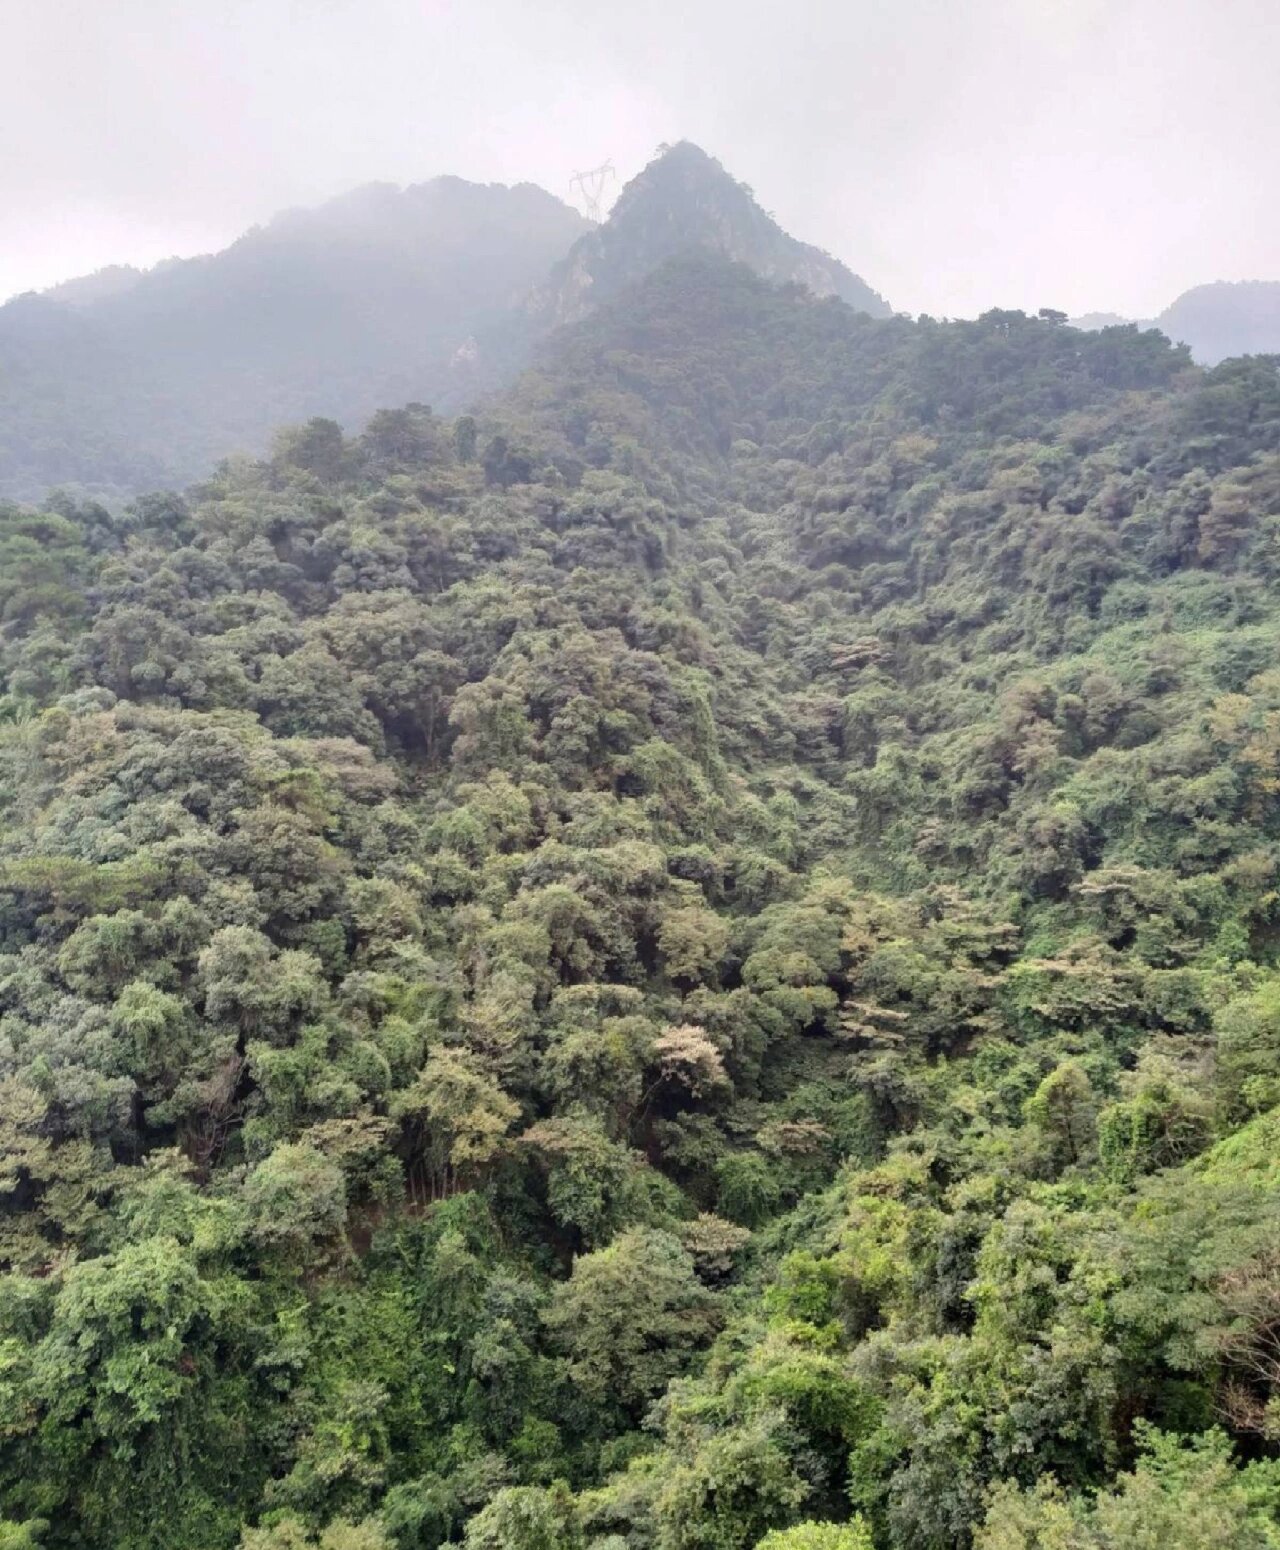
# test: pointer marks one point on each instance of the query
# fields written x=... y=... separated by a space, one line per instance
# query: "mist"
x=1076 y=153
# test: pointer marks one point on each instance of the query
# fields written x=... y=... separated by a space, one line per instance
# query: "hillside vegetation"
x=437 y=293
x=688 y=963
x=127 y=380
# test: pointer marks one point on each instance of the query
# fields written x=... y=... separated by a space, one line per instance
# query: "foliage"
x=688 y=961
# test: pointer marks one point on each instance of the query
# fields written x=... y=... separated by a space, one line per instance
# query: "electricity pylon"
x=591 y=185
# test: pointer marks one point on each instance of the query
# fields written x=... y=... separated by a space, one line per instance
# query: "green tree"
x=853 y=1535
x=631 y=1317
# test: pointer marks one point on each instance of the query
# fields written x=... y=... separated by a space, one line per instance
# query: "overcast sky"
x=959 y=154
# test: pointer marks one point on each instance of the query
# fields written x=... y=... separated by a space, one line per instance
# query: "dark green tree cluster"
x=689 y=962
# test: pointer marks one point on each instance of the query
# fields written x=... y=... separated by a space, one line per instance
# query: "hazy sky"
x=958 y=154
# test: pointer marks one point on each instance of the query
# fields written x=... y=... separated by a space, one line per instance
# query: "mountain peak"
x=372 y=298
x=682 y=159
x=685 y=200
x=1215 y=321
x=1225 y=318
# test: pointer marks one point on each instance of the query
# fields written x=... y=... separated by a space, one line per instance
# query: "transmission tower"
x=591 y=186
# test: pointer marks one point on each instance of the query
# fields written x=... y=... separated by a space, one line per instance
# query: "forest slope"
x=126 y=380
x=437 y=293
x=690 y=957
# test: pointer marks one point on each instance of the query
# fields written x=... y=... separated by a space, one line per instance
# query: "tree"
x=292 y=1534
x=692 y=940
x=586 y=1174
x=254 y=988
x=457 y=1116
x=297 y=1203
x=735 y=1490
x=1248 y=1061
x=630 y=1317
x=526 y=1518
x=1185 y=1494
x=853 y=1535
x=1064 y=1110
x=138 y=1388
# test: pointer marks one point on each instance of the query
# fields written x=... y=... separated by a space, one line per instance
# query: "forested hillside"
x=688 y=963
x=127 y=380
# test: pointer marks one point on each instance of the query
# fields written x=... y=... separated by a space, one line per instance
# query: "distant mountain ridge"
x=1217 y=320
x=86 y=289
x=1225 y=318
x=127 y=379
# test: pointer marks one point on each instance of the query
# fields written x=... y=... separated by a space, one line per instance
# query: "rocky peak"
x=683 y=200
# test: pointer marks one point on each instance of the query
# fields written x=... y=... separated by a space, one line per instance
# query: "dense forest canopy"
x=688 y=962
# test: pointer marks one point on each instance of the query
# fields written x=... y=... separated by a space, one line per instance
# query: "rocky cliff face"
x=681 y=201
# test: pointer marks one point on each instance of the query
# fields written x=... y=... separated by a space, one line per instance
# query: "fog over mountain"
x=1001 y=153
x=128 y=378
x=1215 y=321
x=125 y=379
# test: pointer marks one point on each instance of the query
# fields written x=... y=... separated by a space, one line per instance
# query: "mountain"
x=114 y=280
x=684 y=200
x=688 y=961
x=125 y=379
x=1216 y=321
x=437 y=293
x=1092 y=321
x=1225 y=319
